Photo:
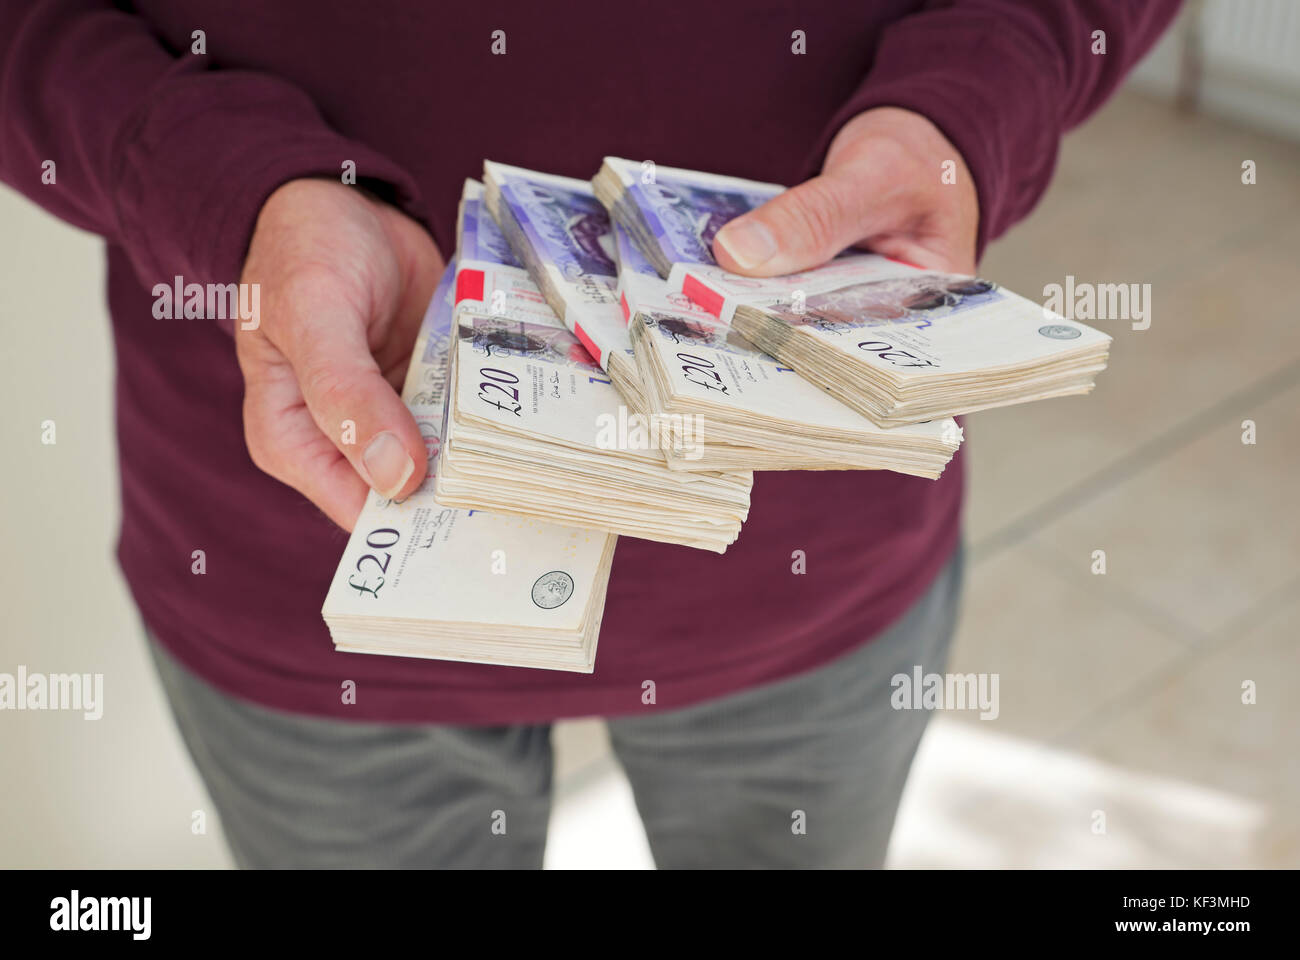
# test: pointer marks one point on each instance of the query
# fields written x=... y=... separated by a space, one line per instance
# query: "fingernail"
x=749 y=242
x=388 y=464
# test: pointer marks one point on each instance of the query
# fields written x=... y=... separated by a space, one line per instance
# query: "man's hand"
x=345 y=280
x=882 y=188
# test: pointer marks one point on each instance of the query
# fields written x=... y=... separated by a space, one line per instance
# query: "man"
x=317 y=150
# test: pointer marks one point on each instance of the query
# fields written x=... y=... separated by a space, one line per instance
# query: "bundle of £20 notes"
x=575 y=321
x=898 y=344
x=420 y=579
x=534 y=422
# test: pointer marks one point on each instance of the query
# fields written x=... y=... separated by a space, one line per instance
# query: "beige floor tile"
x=1224 y=326
x=1140 y=189
x=1220 y=321
x=1205 y=533
x=1216 y=333
x=979 y=798
x=1195 y=727
x=1060 y=648
x=1019 y=459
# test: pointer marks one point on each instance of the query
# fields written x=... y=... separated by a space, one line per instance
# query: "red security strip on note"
x=627 y=312
x=469 y=285
x=589 y=344
x=710 y=300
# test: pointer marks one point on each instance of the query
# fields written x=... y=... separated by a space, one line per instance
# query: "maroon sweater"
x=169 y=155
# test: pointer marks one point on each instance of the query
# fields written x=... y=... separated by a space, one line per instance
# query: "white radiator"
x=1238 y=59
x=1255 y=40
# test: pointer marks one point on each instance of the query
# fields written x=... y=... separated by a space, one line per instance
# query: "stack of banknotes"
x=753 y=411
x=536 y=429
x=898 y=344
x=586 y=369
x=716 y=401
x=419 y=579
x=556 y=227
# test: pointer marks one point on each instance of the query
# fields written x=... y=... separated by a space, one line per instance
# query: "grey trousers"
x=805 y=772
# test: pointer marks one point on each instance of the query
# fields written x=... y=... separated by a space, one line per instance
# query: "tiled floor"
x=1122 y=737
x=1142 y=669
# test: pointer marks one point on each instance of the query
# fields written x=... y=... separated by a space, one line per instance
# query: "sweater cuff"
x=1004 y=122
x=199 y=160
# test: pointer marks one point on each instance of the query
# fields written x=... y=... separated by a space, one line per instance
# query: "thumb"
x=354 y=405
x=803 y=227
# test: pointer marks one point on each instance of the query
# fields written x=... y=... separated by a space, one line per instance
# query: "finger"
x=325 y=342
x=285 y=442
x=359 y=411
x=806 y=225
x=932 y=254
x=421 y=268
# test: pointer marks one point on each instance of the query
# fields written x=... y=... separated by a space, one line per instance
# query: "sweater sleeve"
x=157 y=151
x=1004 y=80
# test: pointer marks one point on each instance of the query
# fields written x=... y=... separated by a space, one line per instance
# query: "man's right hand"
x=345 y=280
